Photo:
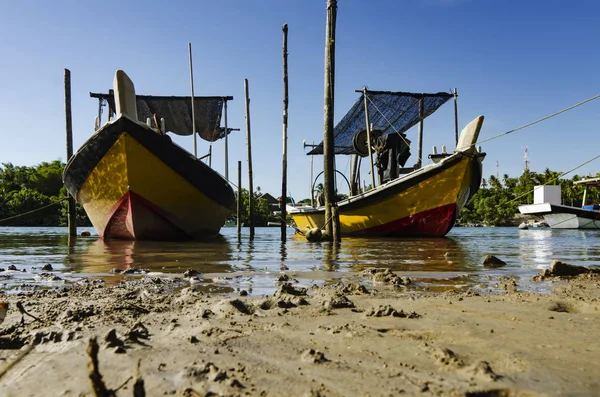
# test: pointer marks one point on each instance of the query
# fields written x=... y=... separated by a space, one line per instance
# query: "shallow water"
x=230 y=263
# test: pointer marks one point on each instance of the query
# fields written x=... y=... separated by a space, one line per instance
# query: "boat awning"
x=388 y=112
x=177 y=112
x=588 y=182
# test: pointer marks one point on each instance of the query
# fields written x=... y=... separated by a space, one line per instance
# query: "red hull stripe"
x=135 y=218
x=436 y=222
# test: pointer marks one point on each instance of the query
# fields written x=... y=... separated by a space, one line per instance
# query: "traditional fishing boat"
x=135 y=183
x=423 y=200
x=547 y=203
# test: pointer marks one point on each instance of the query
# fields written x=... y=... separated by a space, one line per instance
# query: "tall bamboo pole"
x=456 y=115
x=239 y=200
x=226 y=145
x=249 y=143
x=369 y=136
x=72 y=216
x=328 y=139
x=420 y=135
x=193 y=101
x=285 y=126
x=353 y=173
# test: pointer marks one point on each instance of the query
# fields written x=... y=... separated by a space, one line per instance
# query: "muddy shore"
x=337 y=340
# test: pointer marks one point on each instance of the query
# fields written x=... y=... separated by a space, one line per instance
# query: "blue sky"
x=512 y=61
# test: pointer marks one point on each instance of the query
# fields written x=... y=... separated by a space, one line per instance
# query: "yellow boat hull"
x=425 y=202
x=136 y=184
x=427 y=205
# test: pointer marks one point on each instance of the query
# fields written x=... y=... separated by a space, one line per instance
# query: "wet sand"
x=336 y=340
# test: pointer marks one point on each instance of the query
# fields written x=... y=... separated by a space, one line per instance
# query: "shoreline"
x=334 y=340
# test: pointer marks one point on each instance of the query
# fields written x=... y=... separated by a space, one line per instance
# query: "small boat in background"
x=547 y=203
x=419 y=201
x=136 y=184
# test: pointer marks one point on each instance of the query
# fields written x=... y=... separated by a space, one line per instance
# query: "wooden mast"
x=456 y=115
x=193 y=102
x=239 y=200
x=285 y=124
x=420 y=135
x=226 y=146
x=368 y=126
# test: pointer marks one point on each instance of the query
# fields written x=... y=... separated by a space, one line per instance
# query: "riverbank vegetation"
x=25 y=189
x=497 y=201
x=35 y=196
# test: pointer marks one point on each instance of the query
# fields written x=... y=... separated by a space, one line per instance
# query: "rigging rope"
x=32 y=211
x=388 y=121
x=540 y=120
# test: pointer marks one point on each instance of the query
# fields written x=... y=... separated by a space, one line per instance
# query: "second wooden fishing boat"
x=418 y=201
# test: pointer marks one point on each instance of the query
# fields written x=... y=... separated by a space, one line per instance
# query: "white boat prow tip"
x=469 y=135
x=124 y=93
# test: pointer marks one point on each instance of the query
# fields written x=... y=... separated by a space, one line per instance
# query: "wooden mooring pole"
x=249 y=143
x=456 y=115
x=72 y=216
x=369 y=130
x=420 y=135
x=239 y=200
x=226 y=144
x=285 y=124
x=193 y=101
x=328 y=141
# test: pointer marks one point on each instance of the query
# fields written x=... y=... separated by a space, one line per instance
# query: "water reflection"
x=331 y=256
x=433 y=254
x=460 y=253
x=103 y=255
x=540 y=246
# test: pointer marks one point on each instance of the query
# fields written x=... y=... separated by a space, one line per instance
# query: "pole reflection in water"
x=460 y=253
x=71 y=244
x=249 y=254
x=331 y=255
x=283 y=252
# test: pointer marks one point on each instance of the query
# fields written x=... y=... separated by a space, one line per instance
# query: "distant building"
x=273 y=202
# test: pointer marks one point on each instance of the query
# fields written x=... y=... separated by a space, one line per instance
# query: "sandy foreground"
x=336 y=340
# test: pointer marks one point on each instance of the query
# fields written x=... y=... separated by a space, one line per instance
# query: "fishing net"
x=388 y=111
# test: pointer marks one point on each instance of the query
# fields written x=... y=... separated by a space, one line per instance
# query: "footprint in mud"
x=562 y=307
x=388 y=311
x=313 y=356
x=232 y=307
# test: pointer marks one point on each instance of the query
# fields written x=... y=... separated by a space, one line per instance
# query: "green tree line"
x=24 y=189
x=498 y=200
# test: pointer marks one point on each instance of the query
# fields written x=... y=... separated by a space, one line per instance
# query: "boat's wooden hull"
x=136 y=184
x=564 y=216
x=423 y=203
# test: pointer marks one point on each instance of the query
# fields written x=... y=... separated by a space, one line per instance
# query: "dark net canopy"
x=177 y=112
x=386 y=109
